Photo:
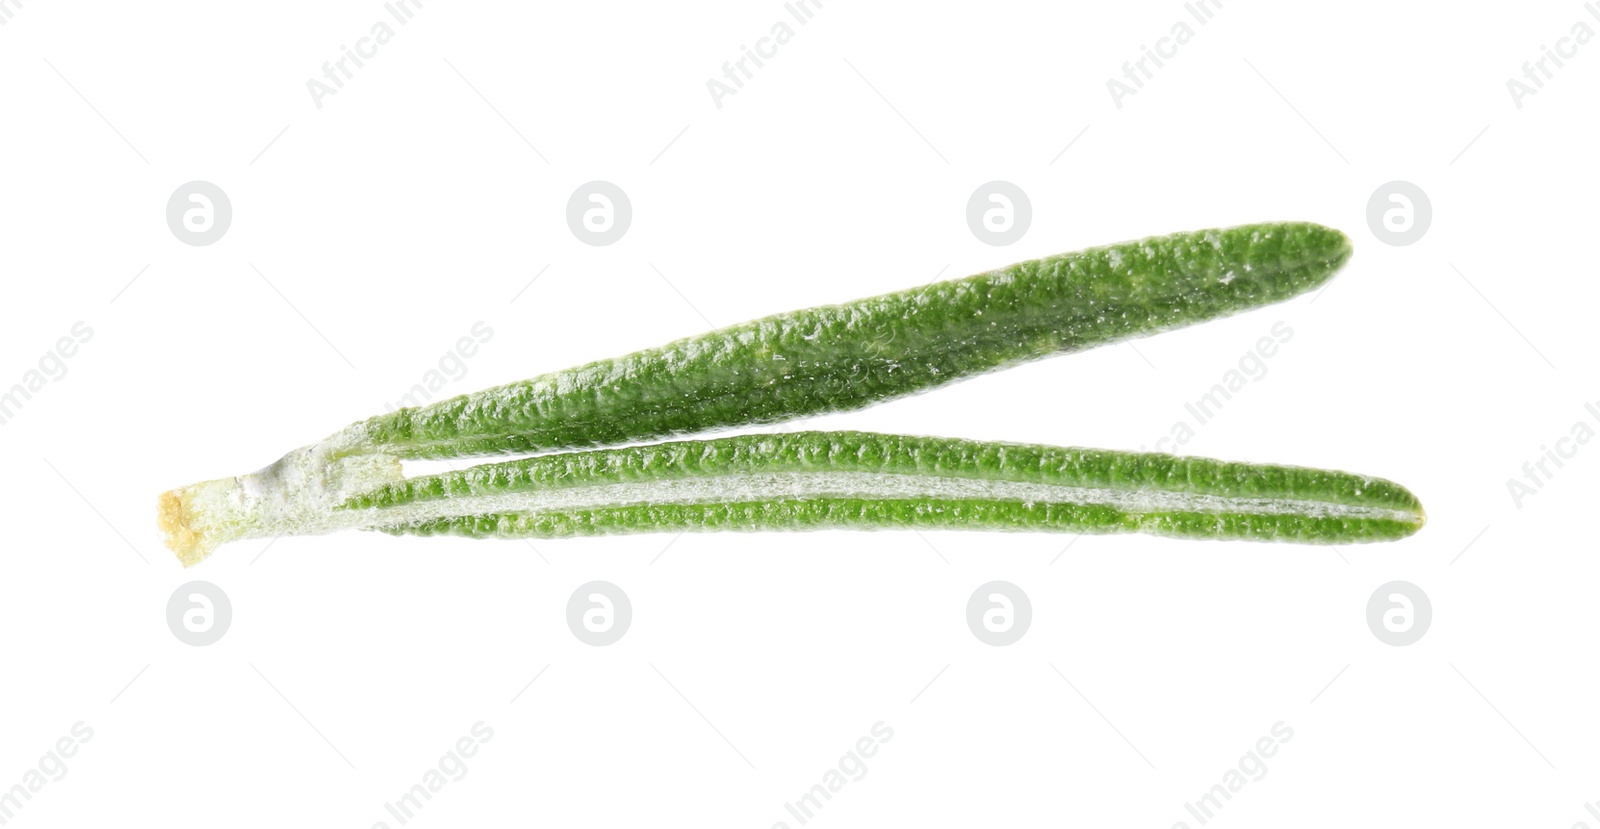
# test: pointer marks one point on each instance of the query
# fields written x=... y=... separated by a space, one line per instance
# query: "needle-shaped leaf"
x=856 y=480
x=841 y=357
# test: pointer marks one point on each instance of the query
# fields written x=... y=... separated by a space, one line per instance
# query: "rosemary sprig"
x=818 y=360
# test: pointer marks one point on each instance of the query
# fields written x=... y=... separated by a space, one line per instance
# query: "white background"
x=413 y=204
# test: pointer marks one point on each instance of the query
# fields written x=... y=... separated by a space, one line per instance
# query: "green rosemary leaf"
x=856 y=480
x=849 y=356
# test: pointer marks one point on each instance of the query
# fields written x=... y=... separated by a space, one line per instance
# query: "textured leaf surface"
x=852 y=355
x=856 y=480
